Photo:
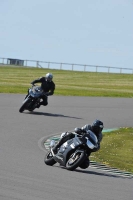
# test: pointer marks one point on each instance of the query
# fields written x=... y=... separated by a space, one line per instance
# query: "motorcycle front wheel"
x=75 y=160
x=48 y=159
x=22 y=108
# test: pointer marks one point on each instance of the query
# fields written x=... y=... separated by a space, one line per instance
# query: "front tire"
x=22 y=108
x=48 y=159
x=75 y=160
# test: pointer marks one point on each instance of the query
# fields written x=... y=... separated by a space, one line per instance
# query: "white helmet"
x=49 y=77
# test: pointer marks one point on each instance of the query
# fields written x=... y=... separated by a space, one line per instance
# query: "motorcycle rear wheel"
x=48 y=159
x=75 y=160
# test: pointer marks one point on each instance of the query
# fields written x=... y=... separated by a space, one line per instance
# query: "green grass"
x=116 y=149
x=117 y=146
x=68 y=83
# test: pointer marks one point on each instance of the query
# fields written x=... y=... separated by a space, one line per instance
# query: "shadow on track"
x=50 y=114
x=89 y=172
x=101 y=174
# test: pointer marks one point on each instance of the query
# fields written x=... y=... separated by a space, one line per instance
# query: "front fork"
x=27 y=93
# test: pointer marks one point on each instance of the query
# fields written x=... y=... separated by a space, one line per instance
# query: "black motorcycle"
x=32 y=99
x=74 y=152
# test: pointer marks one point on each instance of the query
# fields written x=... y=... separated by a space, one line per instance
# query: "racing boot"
x=57 y=146
x=64 y=137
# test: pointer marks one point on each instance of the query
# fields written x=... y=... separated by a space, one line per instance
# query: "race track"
x=23 y=174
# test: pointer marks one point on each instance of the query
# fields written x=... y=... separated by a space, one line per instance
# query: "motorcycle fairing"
x=66 y=149
x=35 y=92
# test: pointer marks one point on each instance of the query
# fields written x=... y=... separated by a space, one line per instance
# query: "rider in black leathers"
x=48 y=87
x=96 y=128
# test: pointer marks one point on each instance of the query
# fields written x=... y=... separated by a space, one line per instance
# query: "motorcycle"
x=32 y=99
x=74 y=152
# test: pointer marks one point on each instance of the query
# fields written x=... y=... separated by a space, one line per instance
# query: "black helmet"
x=49 y=77
x=97 y=126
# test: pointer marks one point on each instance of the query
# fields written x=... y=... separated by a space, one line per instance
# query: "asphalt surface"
x=23 y=174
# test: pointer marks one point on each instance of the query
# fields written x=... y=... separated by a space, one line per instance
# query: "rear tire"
x=85 y=164
x=75 y=160
x=48 y=159
x=22 y=108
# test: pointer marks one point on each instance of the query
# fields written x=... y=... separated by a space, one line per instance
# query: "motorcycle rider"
x=96 y=128
x=48 y=87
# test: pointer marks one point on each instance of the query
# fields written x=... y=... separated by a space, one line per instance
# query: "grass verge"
x=116 y=149
x=68 y=83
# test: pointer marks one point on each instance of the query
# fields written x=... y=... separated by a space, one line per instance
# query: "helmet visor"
x=49 y=79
